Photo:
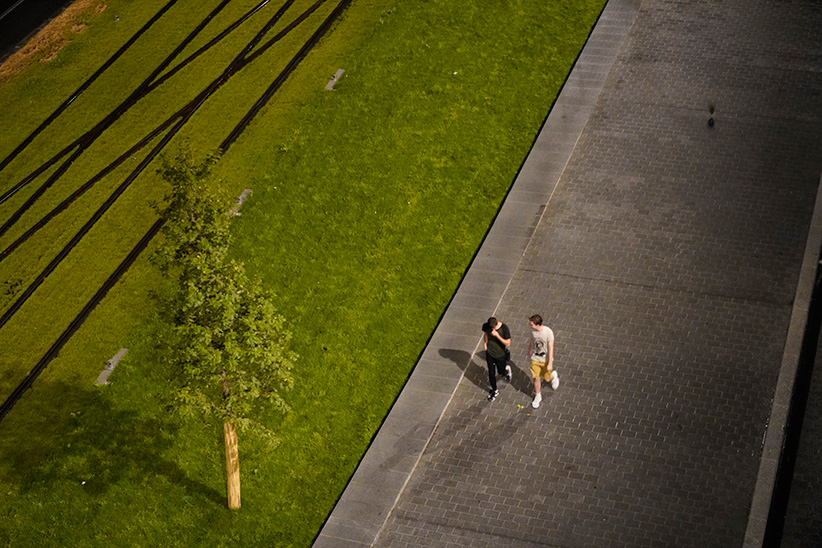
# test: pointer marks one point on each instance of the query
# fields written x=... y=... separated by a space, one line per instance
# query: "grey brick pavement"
x=666 y=255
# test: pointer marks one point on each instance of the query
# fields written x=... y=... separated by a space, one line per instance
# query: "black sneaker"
x=493 y=395
x=508 y=373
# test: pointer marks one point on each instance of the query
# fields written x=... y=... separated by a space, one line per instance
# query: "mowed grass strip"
x=368 y=204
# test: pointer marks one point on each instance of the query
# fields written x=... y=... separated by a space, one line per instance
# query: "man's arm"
x=550 y=354
x=485 y=341
x=506 y=342
x=530 y=346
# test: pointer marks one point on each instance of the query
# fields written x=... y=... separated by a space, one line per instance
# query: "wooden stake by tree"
x=229 y=352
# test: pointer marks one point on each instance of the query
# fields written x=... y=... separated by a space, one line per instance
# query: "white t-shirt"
x=541 y=340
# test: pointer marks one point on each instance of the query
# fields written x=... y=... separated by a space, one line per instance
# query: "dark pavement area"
x=669 y=248
x=803 y=519
x=20 y=19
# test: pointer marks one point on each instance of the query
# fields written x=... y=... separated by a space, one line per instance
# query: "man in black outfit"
x=496 y=339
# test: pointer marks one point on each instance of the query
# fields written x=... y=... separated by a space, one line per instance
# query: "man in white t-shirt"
x=541 y=353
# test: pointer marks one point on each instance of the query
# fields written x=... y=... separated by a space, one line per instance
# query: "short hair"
x=489 y=326
x=536 y=319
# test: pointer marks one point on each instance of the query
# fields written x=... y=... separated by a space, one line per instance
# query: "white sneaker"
x=508 y=373
x=554 y=380
x=537 y=399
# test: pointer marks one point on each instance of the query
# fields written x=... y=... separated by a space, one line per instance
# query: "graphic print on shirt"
x=539 y=347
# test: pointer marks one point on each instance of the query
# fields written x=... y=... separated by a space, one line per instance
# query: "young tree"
x=228 y=351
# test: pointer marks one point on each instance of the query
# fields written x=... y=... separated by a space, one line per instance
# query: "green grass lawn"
x=368 y=205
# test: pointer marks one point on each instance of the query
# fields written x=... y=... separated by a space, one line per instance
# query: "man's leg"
x=536 y=372
x=504 y=369
x=492 y=377
x=552 y=377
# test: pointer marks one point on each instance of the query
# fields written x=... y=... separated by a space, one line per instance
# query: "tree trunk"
x=232 y=465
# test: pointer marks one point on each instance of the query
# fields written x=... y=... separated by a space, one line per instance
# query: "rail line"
x=75 y=324
x=126 y=263
x=241 y=63
x=85 y=187
x=85 y=141
x=148 y=89
x=182 y=116
x=85 y=85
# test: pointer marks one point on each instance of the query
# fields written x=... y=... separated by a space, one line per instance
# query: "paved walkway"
x=673 y=258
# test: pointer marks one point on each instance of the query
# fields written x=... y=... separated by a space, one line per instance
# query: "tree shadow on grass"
x=61 y=433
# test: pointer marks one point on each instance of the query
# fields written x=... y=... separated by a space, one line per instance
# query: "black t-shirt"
x=495 y=348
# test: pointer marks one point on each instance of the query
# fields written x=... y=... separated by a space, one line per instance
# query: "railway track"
x=82 y=143
x=172 y=125
x=233 y=69
x=84 y=86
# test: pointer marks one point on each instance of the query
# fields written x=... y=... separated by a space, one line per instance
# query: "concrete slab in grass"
x=610 y=41
x=492 y=253
x=564 y=124
x=465 y=318
x=596 y=58
x=460 y=320
x=595 y=72
x=589 y=79
x=599 y=48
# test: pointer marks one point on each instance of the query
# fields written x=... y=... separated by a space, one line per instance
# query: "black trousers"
x=495 y=365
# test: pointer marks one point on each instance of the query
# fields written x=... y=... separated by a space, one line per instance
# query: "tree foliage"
x=228 y=353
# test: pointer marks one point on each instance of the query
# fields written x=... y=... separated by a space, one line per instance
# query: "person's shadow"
x=476 y=370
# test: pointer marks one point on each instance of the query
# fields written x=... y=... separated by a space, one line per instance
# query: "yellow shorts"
x=540 y=369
